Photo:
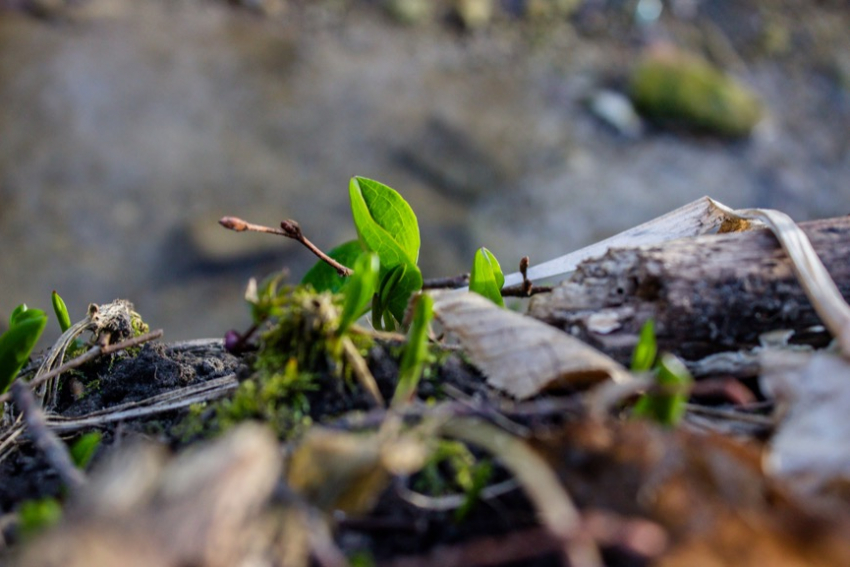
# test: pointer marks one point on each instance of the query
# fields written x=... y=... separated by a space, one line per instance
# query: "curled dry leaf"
x=518 y=354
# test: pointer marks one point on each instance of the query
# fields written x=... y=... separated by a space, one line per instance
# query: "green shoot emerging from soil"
x=486 y=277
x=16 y=344
x=666 y=403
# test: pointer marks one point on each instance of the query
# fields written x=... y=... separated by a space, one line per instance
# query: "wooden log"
x=706 y=294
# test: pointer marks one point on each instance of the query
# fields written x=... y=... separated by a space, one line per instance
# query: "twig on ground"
x=450 y=282
x=87 y=356
x=527 y=287
x=46 y=440
x=290 y=229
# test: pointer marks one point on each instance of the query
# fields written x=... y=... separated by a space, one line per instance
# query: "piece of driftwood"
x=706 y=294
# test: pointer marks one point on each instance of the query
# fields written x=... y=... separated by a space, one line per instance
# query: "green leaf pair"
x=387 y=226
x=16 y=344
x=486 y=277
x=672 y=379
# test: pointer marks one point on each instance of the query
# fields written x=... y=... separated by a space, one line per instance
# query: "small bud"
x=291 y=228
x=233 y=223
x=232 y=342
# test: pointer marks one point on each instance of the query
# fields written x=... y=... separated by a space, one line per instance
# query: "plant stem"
x=450 y=282
x=290 y=229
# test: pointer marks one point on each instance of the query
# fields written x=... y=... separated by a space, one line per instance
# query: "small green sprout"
x=646 y=350
x=386 y=224
x=84 y=449
x=486 y=277
x=16 y=344
x=416 y=351
x=36 y=515
x=61 y=312
x=666 y=406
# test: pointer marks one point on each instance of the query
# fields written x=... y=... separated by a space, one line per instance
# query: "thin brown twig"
x=290 y=229
x=450 y=282
x=90 y=354
x=46 y=440
x=527 y=287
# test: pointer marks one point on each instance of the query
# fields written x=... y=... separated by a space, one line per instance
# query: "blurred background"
x=534 y=127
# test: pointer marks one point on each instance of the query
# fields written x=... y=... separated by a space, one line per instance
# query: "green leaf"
x=17 y=342
x=395 y=287
x=324 y=278
x=36 y=515
x=416 y=351
x=84 y=449
x=360 y=289
x=486 y=277
x=61 y=311
x=646 y=350
x=385 y=222
x=17 y=312
x=668 y=405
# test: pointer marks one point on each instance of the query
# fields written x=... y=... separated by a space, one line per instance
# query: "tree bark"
x=706 y=294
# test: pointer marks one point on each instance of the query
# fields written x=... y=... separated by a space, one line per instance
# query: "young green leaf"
x=325 y=278
x=646 y=350
x=415 y=352
x=61 y=312
x=17 y=342
x=35 y=516
x=17 y=312
x=84 y=449
x=385 y=222
x=667 y=406
x=486 y=277
x=360 y=289
x=395 y=287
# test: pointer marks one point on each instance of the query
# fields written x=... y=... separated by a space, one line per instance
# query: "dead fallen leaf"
x=519 y=354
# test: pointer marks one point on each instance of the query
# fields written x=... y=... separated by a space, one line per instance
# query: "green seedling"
x=16 y=344
x=84 y=449
x=36 y=515
x=386 y=224
x=486 y=277
x=360 y=290
x=646 y=351
x=666 y=405
x=61 y=312
x=415 y=353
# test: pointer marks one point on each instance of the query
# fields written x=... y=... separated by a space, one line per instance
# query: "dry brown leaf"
x=519 y=354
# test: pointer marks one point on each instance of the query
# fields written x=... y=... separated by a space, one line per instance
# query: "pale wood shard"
x=706 y=294
x=516 y=353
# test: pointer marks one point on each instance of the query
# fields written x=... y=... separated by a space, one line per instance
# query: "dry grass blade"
x=811 y=273
x=519 y=354
x=703 y=216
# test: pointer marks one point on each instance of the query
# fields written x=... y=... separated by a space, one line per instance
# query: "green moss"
x=681 y=89
x=298 y=354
